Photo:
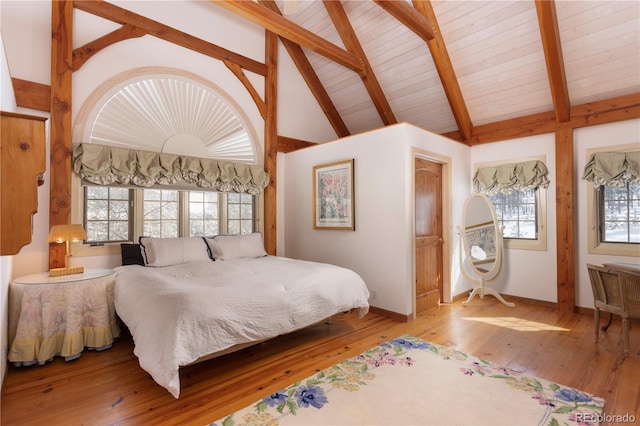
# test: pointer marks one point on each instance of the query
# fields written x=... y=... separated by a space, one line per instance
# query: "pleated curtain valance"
x=613 y=168
x=109 y=165
x=507 y=178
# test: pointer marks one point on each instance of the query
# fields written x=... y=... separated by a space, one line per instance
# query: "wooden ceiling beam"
x=350 y=40
x=122 y=16
x=612 y=110
x=409 y=16
x=446 y=72
x=311 y=78
x=84 y=53
x=548 y=22
x=266 y=18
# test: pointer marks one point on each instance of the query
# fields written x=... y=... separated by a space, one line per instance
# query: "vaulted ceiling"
x=475 y=71
x=457 y=67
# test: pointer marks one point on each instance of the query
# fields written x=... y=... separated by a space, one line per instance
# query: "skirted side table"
x=63 y=315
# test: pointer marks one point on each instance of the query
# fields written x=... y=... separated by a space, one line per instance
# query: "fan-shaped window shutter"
x=164 y=113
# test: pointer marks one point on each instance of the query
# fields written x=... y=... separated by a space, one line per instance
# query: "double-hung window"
x=614 y=200
x=619 y=213
x=114 y=214
x=518 y=213
x=517 y=192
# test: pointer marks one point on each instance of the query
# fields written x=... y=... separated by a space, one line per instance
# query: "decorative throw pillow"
x=131 y=254
x=236 y=246
x=173 y=251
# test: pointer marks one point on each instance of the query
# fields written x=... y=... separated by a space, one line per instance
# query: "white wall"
x=527 y=273
x=381 y=248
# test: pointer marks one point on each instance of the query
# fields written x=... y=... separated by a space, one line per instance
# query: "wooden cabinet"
x=22 y=165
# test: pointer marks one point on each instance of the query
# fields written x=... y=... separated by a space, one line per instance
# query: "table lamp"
x=65 y=234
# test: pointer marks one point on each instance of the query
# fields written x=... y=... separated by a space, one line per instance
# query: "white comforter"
x=180 y=313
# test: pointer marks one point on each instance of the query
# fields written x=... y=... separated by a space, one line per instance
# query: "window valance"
x=507 y=178
x=109 y=165
x=613 y=168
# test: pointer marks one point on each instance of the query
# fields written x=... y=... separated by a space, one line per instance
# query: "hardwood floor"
x=110 y=388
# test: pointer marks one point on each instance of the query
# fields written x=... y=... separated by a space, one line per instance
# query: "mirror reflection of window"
x=477 y=253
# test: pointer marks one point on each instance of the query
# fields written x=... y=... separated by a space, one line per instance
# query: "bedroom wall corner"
x=381 y=248
x=378 y=250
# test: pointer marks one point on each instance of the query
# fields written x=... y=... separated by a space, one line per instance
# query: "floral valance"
x=613 y=168
x=109 y=165
x=507 y=178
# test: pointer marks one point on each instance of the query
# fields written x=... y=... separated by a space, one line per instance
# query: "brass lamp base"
x=56 y=272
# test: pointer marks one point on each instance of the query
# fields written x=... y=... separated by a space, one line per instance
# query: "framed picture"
x=333 y=206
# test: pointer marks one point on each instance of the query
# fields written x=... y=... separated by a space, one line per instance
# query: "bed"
x=192 y=298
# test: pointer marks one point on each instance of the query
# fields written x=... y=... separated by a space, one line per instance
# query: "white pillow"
x=236 y=246
x=174 y=251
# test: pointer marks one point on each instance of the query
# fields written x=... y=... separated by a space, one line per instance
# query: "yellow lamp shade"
x=63 y=233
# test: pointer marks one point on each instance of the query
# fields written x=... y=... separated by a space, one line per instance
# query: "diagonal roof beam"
x=84 y=53
x=311 y=78
x=258 y=14
x=548 y=22
x=406 y=14
x=350 y=40
x=123 y=16
x=446 y=72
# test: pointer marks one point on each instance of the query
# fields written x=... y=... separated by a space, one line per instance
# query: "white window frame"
x=539 y=244
x=594 y=245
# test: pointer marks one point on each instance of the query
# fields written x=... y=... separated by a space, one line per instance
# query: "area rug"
x=408 y=381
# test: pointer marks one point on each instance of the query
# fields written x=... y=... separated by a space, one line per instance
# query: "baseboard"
x=514 y=299
x=390 y=314
x=537 y=302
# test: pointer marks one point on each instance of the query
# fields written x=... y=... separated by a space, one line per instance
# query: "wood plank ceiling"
x=478 y=63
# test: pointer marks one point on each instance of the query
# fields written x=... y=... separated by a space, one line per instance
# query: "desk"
x=61 y=315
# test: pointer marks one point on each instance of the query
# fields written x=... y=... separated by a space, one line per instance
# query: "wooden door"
x=428 y=233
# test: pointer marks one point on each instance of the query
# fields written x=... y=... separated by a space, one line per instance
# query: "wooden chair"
x=617 y=292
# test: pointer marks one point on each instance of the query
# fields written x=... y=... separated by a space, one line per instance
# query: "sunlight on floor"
x=517 y=324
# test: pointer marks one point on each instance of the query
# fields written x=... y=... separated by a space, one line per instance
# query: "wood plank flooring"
x=109 y=387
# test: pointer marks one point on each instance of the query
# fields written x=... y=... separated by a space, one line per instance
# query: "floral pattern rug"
x=408 y=381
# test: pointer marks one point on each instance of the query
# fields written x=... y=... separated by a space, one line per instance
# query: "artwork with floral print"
x=333 y=196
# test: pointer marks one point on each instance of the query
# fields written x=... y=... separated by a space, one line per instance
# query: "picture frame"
x=333 y=196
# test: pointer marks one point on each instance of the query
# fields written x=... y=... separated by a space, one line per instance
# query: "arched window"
x=168 y=112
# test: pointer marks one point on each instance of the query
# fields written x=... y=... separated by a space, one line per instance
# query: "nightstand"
x=63 y=315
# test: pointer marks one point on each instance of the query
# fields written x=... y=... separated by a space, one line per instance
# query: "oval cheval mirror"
x=481 y=242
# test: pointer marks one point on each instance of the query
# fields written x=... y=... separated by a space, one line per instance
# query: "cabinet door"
x=22 y=164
